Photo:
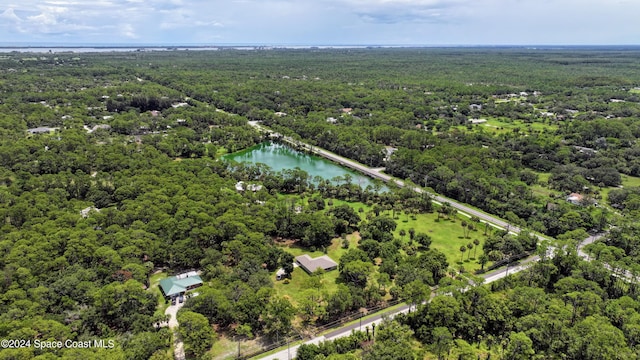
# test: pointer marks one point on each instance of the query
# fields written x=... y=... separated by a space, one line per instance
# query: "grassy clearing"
x=635 y=91
x=294 y=289
x=627 y=181
x=447 y=235
x=508 y=124
x=503 y=125
x=225 y=347
x=543 y=177
x=154 y=287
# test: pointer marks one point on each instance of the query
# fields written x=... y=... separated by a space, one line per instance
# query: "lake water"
x=280 y=157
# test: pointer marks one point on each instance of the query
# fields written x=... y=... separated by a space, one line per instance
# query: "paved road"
x=590 y=240
x=291 y=352
x=378 y=318
x=376 y=173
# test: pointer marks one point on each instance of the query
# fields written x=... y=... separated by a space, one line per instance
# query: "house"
x=477 y=121
x=280 y=114
x=310 y=265
x=332 y=120
x=388 y=151
x=174 y=286
x=575 y=199
x=240 y=186
x=346 y=110
x=475 y=107
x=86 y=211
x=42 y=130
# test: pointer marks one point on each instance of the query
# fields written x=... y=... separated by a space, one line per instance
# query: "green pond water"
x=279 y=157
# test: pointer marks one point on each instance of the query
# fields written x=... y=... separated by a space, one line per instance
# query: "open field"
x=627 y=181
x=503 y=125
x=447 y=235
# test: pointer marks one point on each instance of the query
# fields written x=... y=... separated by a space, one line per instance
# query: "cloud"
x=405 y=11
x=321 y=21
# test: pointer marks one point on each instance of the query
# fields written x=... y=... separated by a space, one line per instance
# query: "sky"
x=321 y=22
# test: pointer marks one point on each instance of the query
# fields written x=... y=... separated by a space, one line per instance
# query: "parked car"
x=181 y=299
x=173 y=301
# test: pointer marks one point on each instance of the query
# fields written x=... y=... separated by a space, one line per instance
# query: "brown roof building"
x=310 y=265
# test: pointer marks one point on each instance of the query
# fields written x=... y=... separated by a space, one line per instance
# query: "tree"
x=286 y=263
x=195 y=331
x=319 y=232
x=416 y=292
x=469 y=246
x=423 y=239
x=356 y=273
x=442 y=341
x=465 y=228
x=476 y=242
x=277 y=316
x=520 y=347
x=347 y=218
x=462 y=250
x=392 y=342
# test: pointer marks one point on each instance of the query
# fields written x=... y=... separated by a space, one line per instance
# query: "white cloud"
x=323 y=21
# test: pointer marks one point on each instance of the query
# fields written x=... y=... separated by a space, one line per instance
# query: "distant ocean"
x=6 y=47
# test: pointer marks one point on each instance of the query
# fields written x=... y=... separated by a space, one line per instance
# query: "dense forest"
x=111 y=175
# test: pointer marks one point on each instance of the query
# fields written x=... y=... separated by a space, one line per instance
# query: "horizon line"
x=274 y=45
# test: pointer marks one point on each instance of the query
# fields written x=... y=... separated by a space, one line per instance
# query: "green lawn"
x=627 y=181
x=447 y=236
x=508 y=124
x=635 y=91
x=154 y=280
x=543 y=177
x=296 y=285
x=503 y=125
x=295 y=288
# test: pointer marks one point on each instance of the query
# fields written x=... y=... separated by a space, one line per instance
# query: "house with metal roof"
x=173 y=286
x=310 y=265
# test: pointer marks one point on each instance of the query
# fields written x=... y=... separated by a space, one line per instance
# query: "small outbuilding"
x=280 y=274
x=310 y=265
x=575 y=199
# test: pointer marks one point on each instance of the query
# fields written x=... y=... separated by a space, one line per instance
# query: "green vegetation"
x=112 y=177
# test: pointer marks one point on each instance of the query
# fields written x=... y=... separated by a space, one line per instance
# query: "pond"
x=279 y=157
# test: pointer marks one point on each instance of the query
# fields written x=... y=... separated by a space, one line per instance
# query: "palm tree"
x=469 y=246
x=462 y=250
x=476 y=242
